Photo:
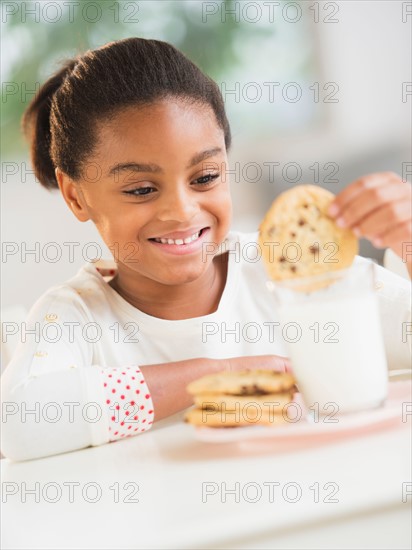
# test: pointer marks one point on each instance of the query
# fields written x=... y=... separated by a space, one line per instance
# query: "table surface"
x=166 y=489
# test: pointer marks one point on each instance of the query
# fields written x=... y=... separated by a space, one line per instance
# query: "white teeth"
x=188 y=240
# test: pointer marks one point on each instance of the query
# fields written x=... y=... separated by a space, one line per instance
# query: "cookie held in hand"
x=299 y=239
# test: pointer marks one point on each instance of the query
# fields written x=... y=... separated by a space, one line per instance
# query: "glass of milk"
x=334 y=338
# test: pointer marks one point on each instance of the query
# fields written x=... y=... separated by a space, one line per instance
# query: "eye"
x=140 y=192
x=207 y=179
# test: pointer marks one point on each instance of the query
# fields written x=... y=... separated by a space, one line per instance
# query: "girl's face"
x=160 y=173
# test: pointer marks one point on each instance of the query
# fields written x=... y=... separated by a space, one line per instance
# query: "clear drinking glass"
x=334 y=338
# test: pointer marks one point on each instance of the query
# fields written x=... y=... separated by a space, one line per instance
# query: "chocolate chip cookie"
x=299 y=239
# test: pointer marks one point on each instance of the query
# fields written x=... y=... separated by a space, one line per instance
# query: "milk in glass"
x=335 y=341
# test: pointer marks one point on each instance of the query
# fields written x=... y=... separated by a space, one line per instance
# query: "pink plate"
x=396 y=410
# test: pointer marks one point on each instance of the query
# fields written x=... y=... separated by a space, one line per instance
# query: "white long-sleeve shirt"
x=74 y=380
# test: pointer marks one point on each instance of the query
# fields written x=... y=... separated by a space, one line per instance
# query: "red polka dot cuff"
x=128 y=401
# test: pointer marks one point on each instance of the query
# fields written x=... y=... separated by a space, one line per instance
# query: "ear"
x=73 y=196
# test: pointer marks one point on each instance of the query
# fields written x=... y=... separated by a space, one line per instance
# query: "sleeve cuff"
x=127 y=400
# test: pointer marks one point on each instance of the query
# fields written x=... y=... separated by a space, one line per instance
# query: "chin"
x=182 y=277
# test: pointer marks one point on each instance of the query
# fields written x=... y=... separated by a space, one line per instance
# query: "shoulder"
x=70 y=296
x=244 y=250
x=236 y=239
x=243 y=247
x=387 y=283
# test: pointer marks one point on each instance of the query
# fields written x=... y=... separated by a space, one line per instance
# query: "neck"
x=175 y=302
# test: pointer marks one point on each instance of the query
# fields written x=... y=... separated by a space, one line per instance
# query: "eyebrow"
x=141 y=167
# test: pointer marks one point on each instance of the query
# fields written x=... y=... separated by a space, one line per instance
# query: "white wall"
x=368 y=54
x=32 y=214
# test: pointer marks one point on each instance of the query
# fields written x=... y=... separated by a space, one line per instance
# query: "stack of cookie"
x=230 y=399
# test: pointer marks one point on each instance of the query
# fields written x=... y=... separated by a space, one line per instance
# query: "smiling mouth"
x=180 y=242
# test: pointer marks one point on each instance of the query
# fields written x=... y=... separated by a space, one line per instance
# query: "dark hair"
x=60 y=122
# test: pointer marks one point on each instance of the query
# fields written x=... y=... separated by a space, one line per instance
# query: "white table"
x=168 y=466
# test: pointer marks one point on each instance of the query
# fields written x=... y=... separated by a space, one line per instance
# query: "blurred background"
x=316 y=92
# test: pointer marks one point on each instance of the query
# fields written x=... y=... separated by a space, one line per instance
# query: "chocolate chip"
x=210 y=407
x=293 y=234
x=258 y=391
x=250 y=390
x=314 y=248
x=282 y=259
x=293 y=268
x=305 y=205
x=301 y=222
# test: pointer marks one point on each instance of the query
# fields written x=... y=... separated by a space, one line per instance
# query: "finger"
x=271 y=362
x=266 y=362
x=399 y=239
x=372 y=200
x=384 y=219
x=345 y=197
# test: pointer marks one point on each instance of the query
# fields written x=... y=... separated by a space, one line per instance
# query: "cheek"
x=119 y=226
x=222 y=205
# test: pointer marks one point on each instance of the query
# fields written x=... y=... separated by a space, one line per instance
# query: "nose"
x=178 y=204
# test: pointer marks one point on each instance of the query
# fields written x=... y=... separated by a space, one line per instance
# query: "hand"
x=378 y=207
x=168 y=381
x=267 y=362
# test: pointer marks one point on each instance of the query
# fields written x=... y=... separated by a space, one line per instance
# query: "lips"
x=178 y=246
x=179 y=237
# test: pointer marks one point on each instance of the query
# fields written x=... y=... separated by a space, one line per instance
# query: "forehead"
x=167 y=129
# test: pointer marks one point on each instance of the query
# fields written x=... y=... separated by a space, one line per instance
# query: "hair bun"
x=36 y=126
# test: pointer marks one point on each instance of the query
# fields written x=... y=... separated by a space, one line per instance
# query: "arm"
x=56 y=400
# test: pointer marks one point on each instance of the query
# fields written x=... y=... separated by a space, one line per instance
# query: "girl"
x=111 y=350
